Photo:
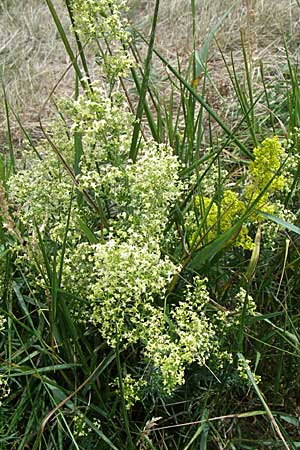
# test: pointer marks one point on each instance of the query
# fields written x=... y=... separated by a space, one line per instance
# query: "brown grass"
x=263 y=20
x=33 y=57
x=263 y=24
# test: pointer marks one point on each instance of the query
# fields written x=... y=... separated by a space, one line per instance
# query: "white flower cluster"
x=4 y=388
x=273 y=234
x=139 y=194
x=104 y=21
x=2 y=323
x=101 y=18
x=117 y=211
x=119 y=275
x=80 y=427
x=243 y=369
x=189 y=336
x=131 y=389
x=172 y=342
x=42 y=194
x=243 y=297
x=105 y=124
x=128 y=277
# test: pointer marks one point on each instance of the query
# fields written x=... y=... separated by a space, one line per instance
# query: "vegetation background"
x=33 y=57
x=250 y=84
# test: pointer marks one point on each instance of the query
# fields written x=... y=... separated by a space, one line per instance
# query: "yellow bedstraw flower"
x=268 y=158
x=267 y=162
x=231 y=210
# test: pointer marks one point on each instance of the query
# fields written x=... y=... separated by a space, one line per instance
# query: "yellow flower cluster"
x=263 y=180
x=263 y=170
x=264 y=177
x=220 y=220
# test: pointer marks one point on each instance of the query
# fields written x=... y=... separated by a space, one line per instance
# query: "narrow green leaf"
x=209 y=251
x=9 y=134
x=202 y=429
x=147 y=110
x=78 y=151
x=264 y=403
x=283 y=223
x=22 y=304
x=79 y=43
x=44 y=253
x=202 y=102
x=26 y=134
x=100 y=433
x=140 y=109
x=87 y=231
x=202 y=55
x=66 y=43
x=22 y=371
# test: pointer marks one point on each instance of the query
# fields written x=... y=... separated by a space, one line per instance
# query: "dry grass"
x=32 y=57
x=263 y=21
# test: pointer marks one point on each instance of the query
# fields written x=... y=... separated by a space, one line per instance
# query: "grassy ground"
x=61 y=371
x=263 y=21
x=32 y=61
x=33 y=58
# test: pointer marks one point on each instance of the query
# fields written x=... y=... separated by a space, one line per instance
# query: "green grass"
x=61 y=370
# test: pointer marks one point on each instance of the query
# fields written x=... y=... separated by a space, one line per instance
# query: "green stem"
x=123 y=406
x=144 y=87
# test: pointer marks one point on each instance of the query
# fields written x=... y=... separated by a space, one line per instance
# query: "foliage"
x=147 y=251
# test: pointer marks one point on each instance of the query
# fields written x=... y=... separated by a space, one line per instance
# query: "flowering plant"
x=109 y=220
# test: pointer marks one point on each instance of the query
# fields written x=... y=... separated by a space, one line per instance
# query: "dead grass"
x=32 y=57
x=263 y=24
x=263 y=21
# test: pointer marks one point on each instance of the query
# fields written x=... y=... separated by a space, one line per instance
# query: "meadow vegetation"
x=149 y=238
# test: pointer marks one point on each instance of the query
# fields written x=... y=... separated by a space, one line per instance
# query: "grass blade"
x=66 y=43
x=140 y=109
x=9 y=134
x=202 y=102
x=283 y=223
x=264 y=403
